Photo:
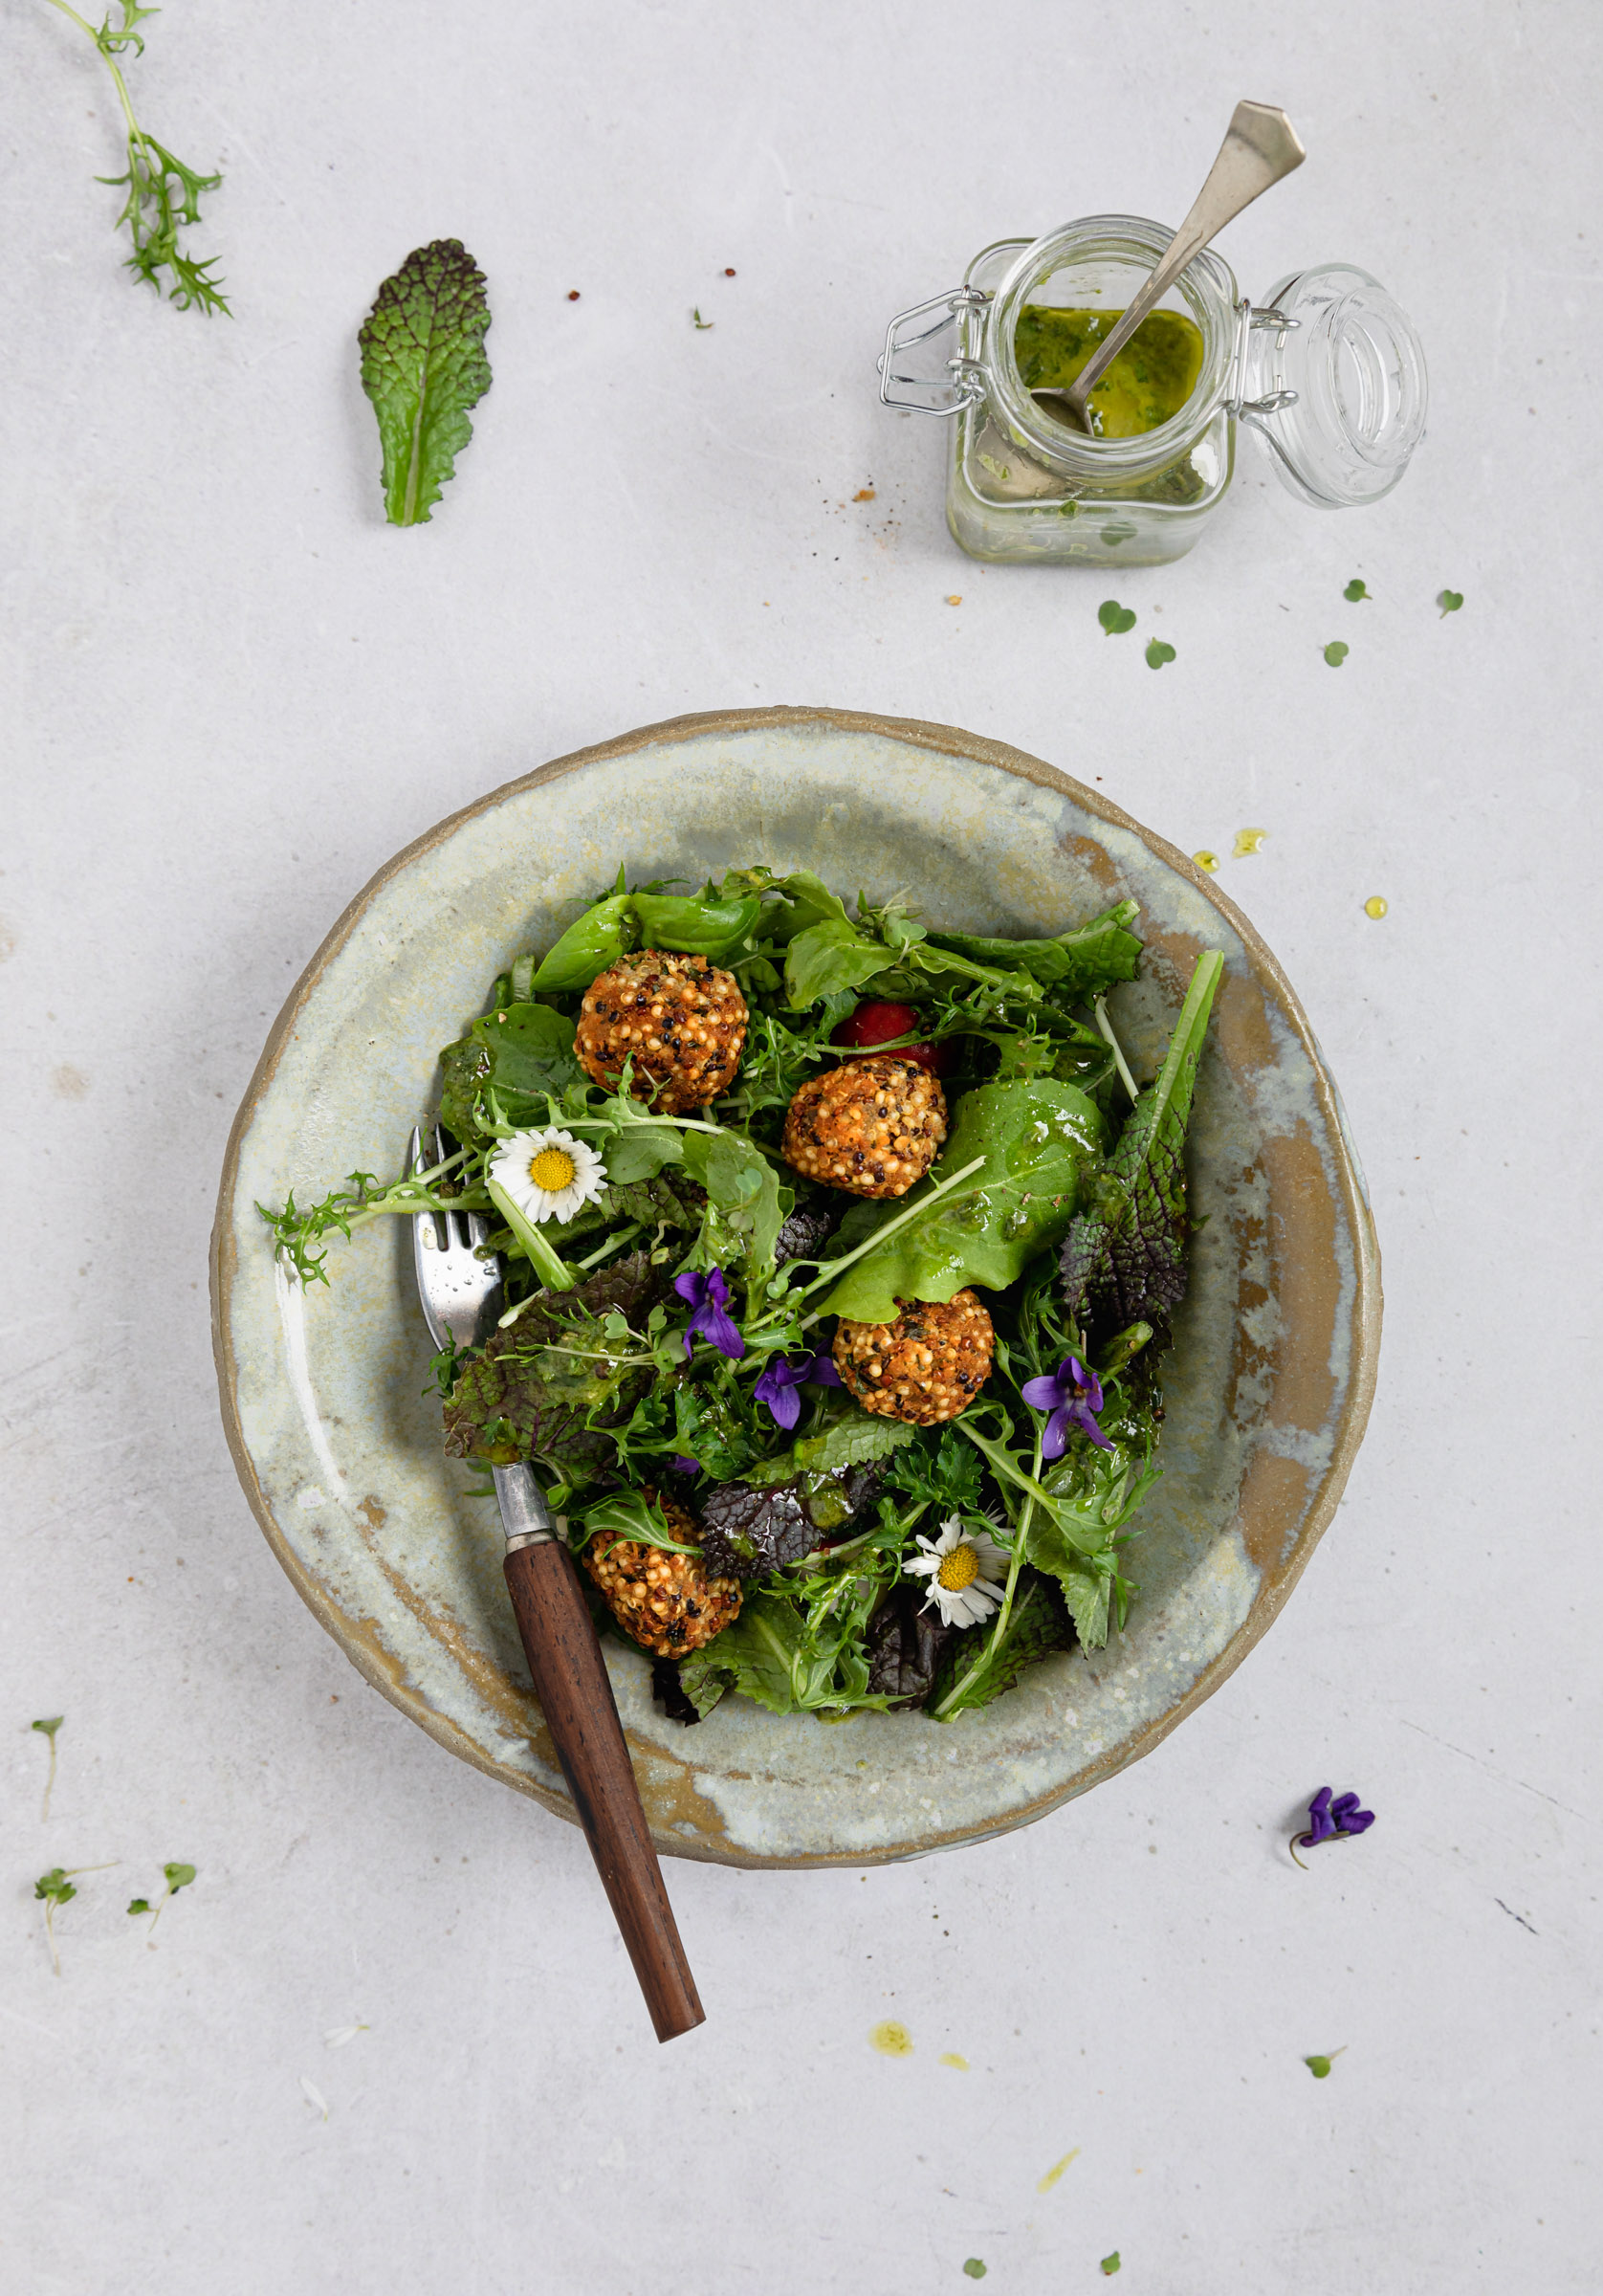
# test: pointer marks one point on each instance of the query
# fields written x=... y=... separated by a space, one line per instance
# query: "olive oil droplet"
x=890 y=2039
x=1206 y=860
x=1249 y=841
x=1375 y=906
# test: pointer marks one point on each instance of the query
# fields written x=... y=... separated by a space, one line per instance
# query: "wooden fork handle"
x=571 y=1683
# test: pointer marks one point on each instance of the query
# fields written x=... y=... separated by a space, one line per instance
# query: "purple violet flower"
x=683 y=1464
x=777 y=1385
x=1073 y=1396
x=709 y=1296
x=1331 y=1821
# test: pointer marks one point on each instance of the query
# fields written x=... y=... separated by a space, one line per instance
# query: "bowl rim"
x=1364 y=1319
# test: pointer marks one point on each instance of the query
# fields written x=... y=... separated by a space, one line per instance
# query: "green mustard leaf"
x=1125 y=1255
x=1041 y=1141
x=849 y=1439
x=971 y=1672
x=826 y=957
x=423 y=365
x=1084 y=961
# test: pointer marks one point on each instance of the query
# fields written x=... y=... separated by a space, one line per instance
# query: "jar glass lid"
x=1357 y=369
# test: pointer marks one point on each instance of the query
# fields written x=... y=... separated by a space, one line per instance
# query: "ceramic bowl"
x=1267 y=1388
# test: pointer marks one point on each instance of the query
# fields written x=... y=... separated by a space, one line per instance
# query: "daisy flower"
x=548 y=1175
x=962 y=1568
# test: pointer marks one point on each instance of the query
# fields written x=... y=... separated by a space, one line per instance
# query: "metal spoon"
x=1260 y=147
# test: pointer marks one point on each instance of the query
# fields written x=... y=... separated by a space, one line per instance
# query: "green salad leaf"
x=1084 y=961
x=424 y=366
x=977 y=1666
x=695 y=925
x=1125 y=1254
x=800 y=1651
x=1041 y=1142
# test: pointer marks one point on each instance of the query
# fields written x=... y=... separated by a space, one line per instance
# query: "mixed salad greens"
x=669 y=1340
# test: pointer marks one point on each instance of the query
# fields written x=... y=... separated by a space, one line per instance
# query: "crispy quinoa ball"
x=682 y=1019
x=926 y=1367
x=667 y=1603
x=871 y=1127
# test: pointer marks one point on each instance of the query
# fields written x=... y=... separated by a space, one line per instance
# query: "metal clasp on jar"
x=963 y=384
x=1257 y=412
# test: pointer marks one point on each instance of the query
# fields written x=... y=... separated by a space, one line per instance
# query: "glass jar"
x=1328 y=372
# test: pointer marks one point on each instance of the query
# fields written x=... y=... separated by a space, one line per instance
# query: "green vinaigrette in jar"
x=1328 y=372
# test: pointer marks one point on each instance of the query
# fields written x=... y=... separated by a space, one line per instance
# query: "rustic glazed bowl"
x=1267 y=1390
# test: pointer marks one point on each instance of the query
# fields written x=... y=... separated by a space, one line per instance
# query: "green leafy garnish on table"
x=163 y=194
x=974 y=2269
x=1116 y=619
x=1336 y=653
x=424 y=366
x=1354 y=590
x=1158 y=651
x=49 y=1726
x=1449 y=602
x=1111 y=2264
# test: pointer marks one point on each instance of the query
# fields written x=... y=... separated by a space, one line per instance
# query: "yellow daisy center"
x=958 y=1569
x=552 y=1170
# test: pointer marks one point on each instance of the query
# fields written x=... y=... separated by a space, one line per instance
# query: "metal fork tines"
x=460 y=1291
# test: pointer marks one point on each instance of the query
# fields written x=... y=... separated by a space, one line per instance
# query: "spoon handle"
x=1260 y=147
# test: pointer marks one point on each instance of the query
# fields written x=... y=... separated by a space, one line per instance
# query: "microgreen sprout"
x=163 y=194
x=702 y=325
x=1336 y=653
x=1320 y=2067
x=1158 y=651
x=55 y=1888
x=1116 y=619
x=50 y=1727
x=974 y=2268
x=1354 y=591
x=1449 y=602
x=178 y=1877
x=1109 y=2264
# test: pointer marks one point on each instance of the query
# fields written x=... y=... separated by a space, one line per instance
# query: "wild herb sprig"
x=164 y=192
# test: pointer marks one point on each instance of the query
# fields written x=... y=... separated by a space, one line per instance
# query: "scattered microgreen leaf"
x=178 y=1877
x=139 y=1905
x=974 y=2269
x=423 y=365
x=1354 y=590
x=1158 y=651
x=1111 y=2264
x=1116 y=619
x=1318 y=2066
x=704 y=326
x=163 y=194
x=56 y=1889
x=1335 y=654
x=1449 y=602
x=50 y=1726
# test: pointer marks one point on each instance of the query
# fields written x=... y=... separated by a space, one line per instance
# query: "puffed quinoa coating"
x=682 y=1020
x=666 y=1602
x=871 y=1127
x=926 y=1367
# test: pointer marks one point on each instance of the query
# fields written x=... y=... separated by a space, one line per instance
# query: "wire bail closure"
x=964 y=382
x=1257 y=412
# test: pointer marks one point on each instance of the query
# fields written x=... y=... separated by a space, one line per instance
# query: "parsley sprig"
x=163 y=194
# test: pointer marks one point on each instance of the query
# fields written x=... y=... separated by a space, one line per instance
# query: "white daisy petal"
x=573 y=1174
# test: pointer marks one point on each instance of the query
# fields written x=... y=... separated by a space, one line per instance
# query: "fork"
x=461 y=1291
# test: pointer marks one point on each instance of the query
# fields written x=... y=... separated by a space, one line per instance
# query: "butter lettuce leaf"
x=1041 y=1142
x=424 y=366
